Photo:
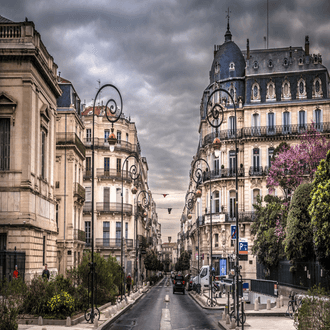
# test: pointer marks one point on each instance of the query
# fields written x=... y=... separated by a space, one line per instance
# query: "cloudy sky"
x=159 y=53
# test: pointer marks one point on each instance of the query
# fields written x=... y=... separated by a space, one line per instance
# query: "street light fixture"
x=113 y=113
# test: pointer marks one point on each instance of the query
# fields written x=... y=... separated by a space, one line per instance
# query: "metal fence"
x=304 y=276
x=8 y=260
x=264 y=286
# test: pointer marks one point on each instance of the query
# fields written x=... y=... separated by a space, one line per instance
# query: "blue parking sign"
x=243 y=247
x=233 y=231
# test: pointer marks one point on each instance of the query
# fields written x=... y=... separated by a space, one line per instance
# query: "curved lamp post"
x=113 y=113
x=145 y=202
x=216 y=112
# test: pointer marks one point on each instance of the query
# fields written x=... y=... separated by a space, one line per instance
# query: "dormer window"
x=231 y=66
x=301 y=89
x=285 y=62
x=300 y=61
x=271 y=94
x=255 y=65
x=216 y=67
x=286 y=90
x=255 y=93
x=317 y=88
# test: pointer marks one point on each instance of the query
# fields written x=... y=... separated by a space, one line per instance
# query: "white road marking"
x=165 y=322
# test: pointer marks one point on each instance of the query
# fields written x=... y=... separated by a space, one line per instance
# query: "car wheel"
x=173 y=291
x=183 y=291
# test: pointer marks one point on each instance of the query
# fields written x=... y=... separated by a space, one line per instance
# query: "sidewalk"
x=275 y=318
x=107 y=315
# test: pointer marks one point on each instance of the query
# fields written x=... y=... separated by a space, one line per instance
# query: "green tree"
x=268 y=230
x=299 y=232
x=183 y=262
x=151 y=261
x=319 y=211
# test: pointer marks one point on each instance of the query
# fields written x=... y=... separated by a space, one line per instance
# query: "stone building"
x=28 y=93
x=279 y=93
x=69 y=190
x=114 y=180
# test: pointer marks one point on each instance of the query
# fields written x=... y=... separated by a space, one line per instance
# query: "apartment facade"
x=279 y=94
x=69 y=189
x=115 y=180
x=28 y=93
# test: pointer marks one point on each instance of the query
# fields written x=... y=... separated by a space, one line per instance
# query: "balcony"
x=223 y=173
x=69 y=138
x=79 y=235
x=108 y=208
x=229 y=217
x=265 y=131
x=256 y=171
x=107 y=174
x=79 y=191
x=112 y=243
x=120 y=146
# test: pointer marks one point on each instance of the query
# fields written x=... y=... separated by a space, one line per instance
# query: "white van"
x=203 y=277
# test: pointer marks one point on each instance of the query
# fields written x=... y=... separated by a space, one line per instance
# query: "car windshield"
x=179 y=278
x=203 y=272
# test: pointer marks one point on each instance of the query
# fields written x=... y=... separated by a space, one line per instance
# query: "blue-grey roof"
x=5 y=20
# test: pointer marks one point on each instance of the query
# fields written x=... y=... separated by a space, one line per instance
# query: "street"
x=181 y=310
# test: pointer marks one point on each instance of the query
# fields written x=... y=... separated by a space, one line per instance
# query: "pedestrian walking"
x=15 y=273
x=45 y=273
x=129 y=282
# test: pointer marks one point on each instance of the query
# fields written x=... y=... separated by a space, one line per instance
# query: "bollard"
x=96 y=323
x=277 y=302
x=232 y=324
x=106 y=314
x=281 y=301
x=268 y=304
x=40 y=320
x=224 y=315
x=227 y=319
x=68 y=322
x=256 y=304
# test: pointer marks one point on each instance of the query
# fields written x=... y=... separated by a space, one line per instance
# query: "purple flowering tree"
x=297 y=164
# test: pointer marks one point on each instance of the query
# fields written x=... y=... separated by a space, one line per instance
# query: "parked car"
x=179 y=284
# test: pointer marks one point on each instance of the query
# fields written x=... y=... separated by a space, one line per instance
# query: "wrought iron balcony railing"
x=120 y=146
x=79 y=235
x=112 y=173
x=79 y=190
x=70 y=138
x=108 y=207
x=113 y=243
x=265 y=131
x=223 y=173
x=256 y=171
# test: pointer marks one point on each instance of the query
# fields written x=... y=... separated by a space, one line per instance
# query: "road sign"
x=233 y=231
x=223 y=267
x=243 y=246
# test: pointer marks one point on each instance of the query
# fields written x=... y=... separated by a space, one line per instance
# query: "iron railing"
x=265 y=131
x=120 y=146
x=79 y=235
x=223 y=173
x=112 y=243
x=256 y=171
x=112 y=173
x=8 y=260
x=70 y=138
x=230 y=217
x=108 y=207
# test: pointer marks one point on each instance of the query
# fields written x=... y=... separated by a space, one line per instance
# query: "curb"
x=205 y=307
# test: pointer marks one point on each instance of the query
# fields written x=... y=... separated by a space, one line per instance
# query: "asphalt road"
x=153 y=313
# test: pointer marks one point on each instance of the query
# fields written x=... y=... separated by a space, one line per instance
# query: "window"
x=302 y=119
x=88 y=135
x=301 y=89
x=126 y=230
x=256 y=192
x=118 y=137
x=43 y=154
x=317 y=88
x=88 y=166
x=106 y=233
x=256 y=160
x=270 y=156
x=106 y=165
x=118 y=233
x=286 y=91
x=271 y=95
x=271 y=123
x=231 y=66
x=255 y=93
x=118 y=165
x=4 y=144
x=232 y=204
x=126 y=137
x=232 y=126
x=88 y=232
x=232 y=162
x=216 y=197
x=56 y=216
x=255 y=124
x=216 y=165
x=106 y=198
x=318 y=119
x=270 y=63
x=3 y=241
x=88 y=194
x=286 y=122
x=216 y=240
x=106 y=135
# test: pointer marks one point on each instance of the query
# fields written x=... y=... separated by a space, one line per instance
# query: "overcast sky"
x=159 y=53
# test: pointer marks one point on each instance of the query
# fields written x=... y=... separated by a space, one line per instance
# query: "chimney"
x=247 y=49
x=215 y=50
x=169 y=239
x=307 y=45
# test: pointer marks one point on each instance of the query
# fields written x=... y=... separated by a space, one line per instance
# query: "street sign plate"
x=233 y=231
x=243 y=247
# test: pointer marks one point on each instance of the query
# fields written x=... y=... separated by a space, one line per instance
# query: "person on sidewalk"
x=129 y=282
x=15 y=273
x=45 y=273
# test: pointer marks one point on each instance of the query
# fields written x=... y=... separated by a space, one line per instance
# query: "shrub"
x=61 y=305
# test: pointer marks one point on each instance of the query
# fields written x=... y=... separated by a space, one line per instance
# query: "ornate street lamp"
x=113 y=113
x=145 y=202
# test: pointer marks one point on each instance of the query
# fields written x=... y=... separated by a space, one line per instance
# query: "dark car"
x=179 y=284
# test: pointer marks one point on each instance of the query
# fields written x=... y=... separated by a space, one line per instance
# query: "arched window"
x=255 y=92
x=317 y=88
x=286 y=90
x=301 y=89
x=271 y=95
